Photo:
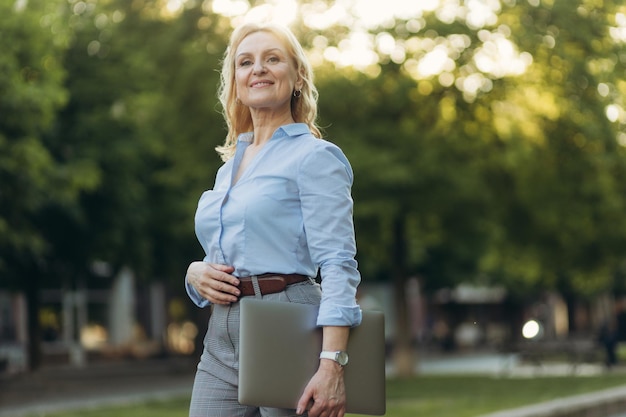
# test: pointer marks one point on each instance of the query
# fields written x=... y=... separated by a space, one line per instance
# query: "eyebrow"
x=265 y=52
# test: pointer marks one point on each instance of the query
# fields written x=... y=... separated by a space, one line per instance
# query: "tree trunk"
x=403 y=354
x=33 y=327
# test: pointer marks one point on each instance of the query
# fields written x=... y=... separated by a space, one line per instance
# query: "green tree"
x=562 y=216
x=112 y=145
x=150 y=132
x=476 y=171
x=31 y=178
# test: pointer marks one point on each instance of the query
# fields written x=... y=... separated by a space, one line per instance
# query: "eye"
x=273 y=59
x=244 y=63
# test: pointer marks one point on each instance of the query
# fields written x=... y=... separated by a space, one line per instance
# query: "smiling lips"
x=261 y=83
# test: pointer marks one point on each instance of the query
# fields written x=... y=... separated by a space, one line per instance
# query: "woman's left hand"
x=325 y=394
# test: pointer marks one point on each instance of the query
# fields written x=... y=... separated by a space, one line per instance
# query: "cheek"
x=295 y=77
x=240 y=81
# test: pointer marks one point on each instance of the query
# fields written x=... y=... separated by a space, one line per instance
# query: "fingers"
x=223 y=293
x=224 y=268
x=327 y=408
x=304 y=402
x=221 y=286
x=214 y=282
x=222 y=273
x=323 y=397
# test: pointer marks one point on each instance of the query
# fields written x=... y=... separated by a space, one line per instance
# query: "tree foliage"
x=147 y=132
x=31 y=82
x=514 y=178
x=569 y=187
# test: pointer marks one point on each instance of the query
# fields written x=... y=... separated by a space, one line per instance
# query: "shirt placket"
x=241 y=147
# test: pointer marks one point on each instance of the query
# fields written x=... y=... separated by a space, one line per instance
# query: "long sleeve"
x=325 y=181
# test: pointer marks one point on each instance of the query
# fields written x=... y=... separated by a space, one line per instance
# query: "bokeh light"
x=532 y=329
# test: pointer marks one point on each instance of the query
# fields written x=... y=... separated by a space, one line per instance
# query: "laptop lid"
x=279 y=353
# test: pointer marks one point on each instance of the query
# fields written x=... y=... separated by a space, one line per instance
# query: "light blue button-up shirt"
x=289 y=212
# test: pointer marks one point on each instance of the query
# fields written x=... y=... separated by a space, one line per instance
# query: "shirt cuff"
x=195 y=297
x=339 y=316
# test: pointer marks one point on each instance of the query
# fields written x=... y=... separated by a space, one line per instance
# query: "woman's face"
x=265 y=76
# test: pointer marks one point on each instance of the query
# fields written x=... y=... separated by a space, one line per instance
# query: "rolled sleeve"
x=325 y=181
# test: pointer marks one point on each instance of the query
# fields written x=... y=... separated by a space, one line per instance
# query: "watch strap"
x=325 y=354
x=338 y=356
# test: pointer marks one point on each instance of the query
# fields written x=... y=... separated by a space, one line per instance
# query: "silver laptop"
x=279 y=353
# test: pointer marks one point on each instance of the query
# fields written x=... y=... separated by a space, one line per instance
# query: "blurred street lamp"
x=532 y=329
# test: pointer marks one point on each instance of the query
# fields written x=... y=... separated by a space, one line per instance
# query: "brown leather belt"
x=269 y=283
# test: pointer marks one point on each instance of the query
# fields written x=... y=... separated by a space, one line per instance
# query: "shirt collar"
x=293 y=129
x=290 y=130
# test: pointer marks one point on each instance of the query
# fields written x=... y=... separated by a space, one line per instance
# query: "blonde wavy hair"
x=237 y=116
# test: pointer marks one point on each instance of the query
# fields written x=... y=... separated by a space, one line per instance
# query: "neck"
x=265 y=125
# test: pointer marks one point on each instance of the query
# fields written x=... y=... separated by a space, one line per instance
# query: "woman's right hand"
x=214 y=282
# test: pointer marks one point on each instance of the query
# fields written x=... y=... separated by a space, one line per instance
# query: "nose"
x=258 y=67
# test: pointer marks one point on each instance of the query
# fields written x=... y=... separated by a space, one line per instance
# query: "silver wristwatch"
x=340 y=356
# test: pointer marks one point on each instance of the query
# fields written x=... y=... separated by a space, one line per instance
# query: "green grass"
x=435 y=396
x=470 y=396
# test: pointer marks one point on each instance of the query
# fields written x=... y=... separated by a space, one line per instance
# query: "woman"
x=280 y=211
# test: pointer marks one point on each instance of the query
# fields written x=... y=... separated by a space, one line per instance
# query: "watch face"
x=342 y=358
